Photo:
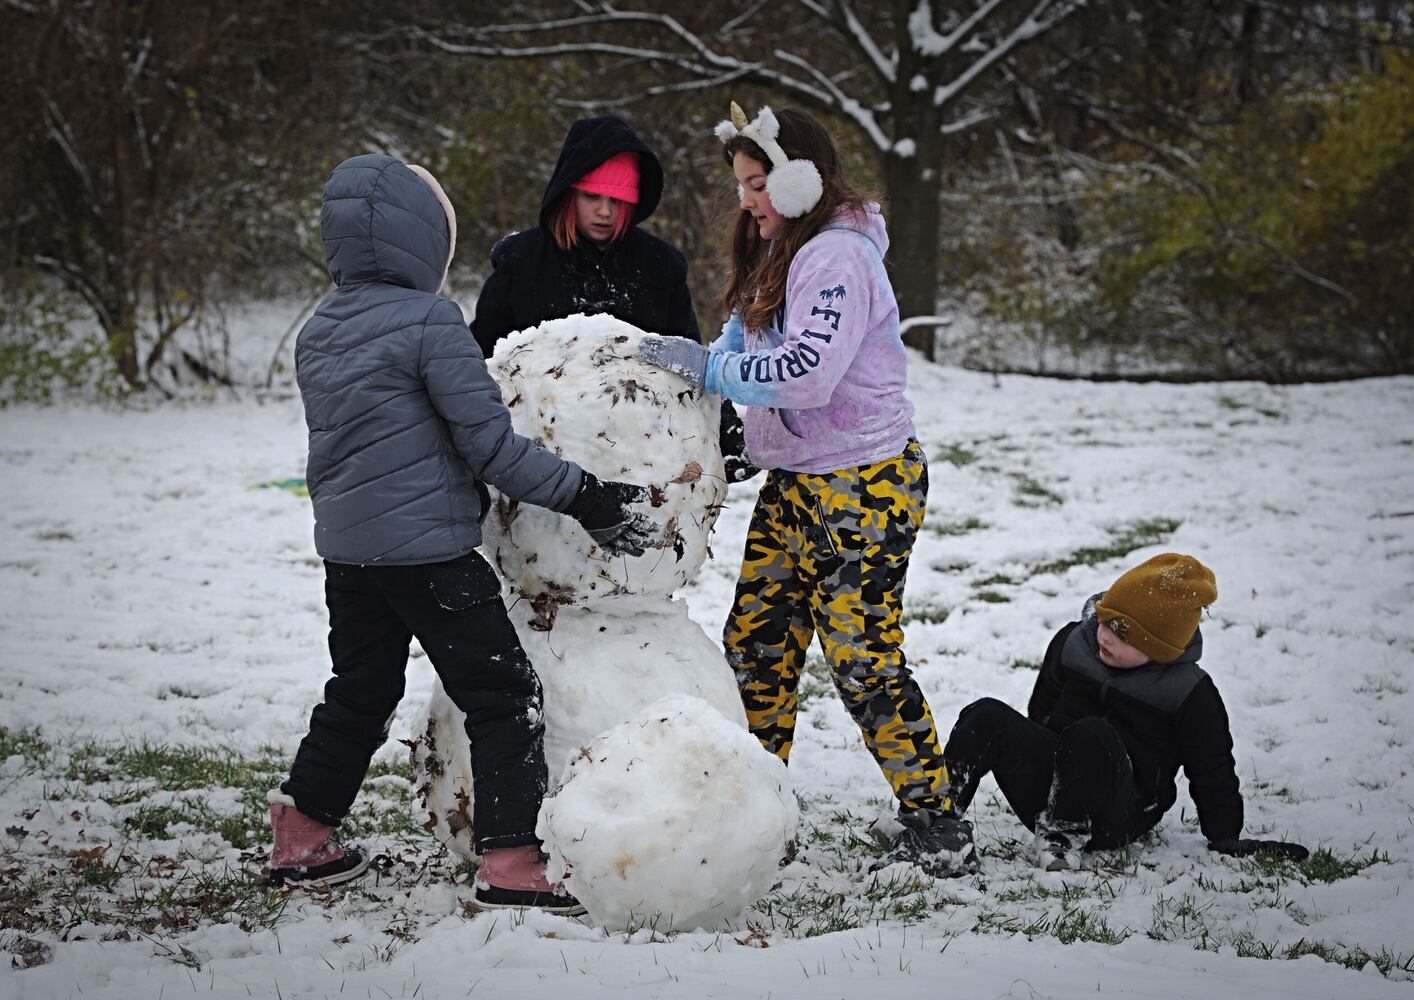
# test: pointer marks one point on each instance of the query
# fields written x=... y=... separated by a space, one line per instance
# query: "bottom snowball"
x=677 y=818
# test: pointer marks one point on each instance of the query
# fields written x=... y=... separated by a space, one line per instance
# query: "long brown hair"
x=756 y=284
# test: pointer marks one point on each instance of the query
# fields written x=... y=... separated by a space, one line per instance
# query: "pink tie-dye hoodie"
x=827 y=391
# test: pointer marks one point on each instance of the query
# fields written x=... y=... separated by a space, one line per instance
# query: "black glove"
x=602 y=508
x=732 y=436
x=1243 y=848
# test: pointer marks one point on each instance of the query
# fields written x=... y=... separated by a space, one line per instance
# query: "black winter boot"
x=1057 y=846
x=939 y=843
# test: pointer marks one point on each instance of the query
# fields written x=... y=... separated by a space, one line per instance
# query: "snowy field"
x=162 y=641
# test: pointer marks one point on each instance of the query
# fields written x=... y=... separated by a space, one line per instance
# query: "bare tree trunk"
x=913 y=186
x=913 y=190
x=122 y=342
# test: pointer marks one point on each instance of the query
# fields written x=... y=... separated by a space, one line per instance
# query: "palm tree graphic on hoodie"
x=830 y=294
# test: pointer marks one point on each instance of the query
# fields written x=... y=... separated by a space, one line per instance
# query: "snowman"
x=662 y=806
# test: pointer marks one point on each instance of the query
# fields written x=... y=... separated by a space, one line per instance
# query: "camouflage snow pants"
x=826 y=555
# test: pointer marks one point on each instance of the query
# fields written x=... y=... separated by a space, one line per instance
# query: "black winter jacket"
x=404 y=419
x=1169 y=715
x=639 y=279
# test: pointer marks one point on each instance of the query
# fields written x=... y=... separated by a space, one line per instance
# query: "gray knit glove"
x=678 y=355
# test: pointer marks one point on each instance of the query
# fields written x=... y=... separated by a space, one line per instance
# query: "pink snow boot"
x=515 y=877
x=307 y=852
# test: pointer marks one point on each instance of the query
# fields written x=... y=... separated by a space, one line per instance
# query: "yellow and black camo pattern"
x=826 y=555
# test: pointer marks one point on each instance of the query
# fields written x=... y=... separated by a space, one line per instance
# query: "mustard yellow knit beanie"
x=1155 y=606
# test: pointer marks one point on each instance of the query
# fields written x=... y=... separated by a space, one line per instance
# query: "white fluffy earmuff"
x=794 y=186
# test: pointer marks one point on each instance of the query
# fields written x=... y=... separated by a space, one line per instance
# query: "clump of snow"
x=577 y=386
x=676 y=818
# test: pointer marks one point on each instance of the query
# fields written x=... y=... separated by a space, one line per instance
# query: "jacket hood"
x=591 y=141
x=869 y=222
x=381 y=222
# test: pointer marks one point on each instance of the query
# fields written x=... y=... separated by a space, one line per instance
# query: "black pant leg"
x=990 y=735
x=1094 y=784
x=368 y=646
x=455 y=610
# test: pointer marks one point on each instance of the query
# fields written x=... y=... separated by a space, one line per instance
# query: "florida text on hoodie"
x=825 y=384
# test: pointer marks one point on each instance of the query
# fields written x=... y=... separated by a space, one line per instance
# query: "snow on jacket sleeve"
x=466 y=396
x=494 y=318
x=828 y=305
x=1205 y=750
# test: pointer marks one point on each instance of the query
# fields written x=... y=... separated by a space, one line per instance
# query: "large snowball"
x=598 y=667
x=676 y=817
x=576 y=386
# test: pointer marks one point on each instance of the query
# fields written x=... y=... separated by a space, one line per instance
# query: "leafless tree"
x=910 y=76
x=153 y=150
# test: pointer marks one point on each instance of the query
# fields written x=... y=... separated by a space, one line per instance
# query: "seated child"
x=1120 y=705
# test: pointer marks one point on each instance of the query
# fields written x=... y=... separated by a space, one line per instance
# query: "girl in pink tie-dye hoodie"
x=813 y=351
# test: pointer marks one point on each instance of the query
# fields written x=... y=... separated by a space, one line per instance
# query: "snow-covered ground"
x=162 y=641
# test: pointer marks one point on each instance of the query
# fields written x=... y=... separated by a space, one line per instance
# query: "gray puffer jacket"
x=405 y=422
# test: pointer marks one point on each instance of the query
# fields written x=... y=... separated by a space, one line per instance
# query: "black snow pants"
x=1081 y=777
x=455 y=610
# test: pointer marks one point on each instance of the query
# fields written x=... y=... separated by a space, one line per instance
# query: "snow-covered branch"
x=851 y=107
x=1032 y=26
x=926 y=39
x=847 y=22
x=708 y=66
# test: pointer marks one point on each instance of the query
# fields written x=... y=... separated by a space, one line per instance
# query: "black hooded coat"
x=639 y=278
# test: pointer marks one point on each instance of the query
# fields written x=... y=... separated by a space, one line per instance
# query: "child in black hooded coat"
x=570 y=263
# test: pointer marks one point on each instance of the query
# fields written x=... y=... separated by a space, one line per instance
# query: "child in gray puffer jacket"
x=405 y=425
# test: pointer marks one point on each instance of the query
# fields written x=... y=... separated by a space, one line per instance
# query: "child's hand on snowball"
x=678 y=355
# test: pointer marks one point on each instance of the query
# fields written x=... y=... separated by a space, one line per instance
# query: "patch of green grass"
x=55 y=536
x=811 y=908
x=113 y=887
x=172 y=767
x=1025 y=664
x=1071 y=924
x=1323 y=865
x=996 y=579
x=1033 y=494
x=955 y=528
x=26 y=743
x=956 y=454
x=1180 y=918
x=930 y=614
x=1125 y=539
x=1247 y=945
x=154 y=822
x=992 y=597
